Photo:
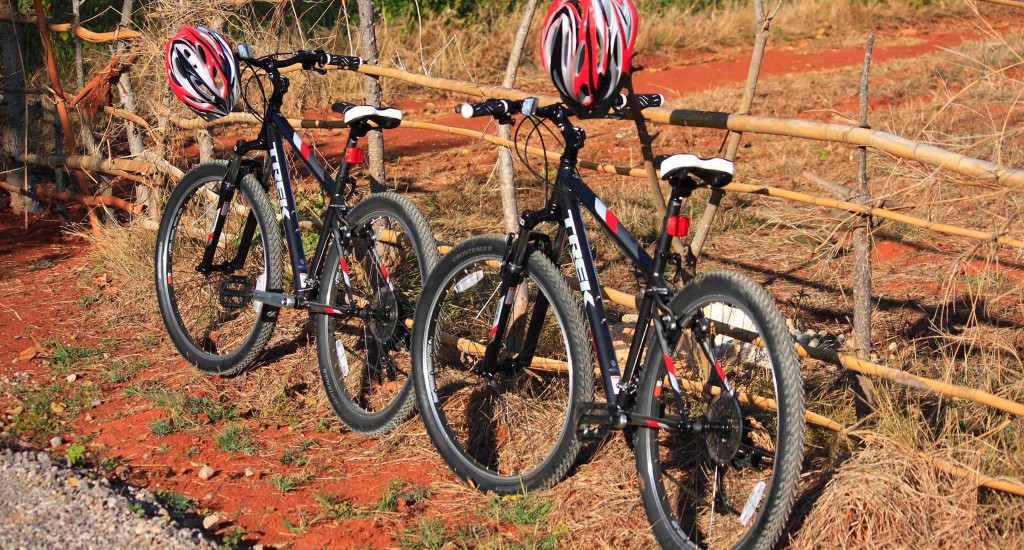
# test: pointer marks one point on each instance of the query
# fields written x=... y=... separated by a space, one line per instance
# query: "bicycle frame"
x=274 y=132
x=564 y=207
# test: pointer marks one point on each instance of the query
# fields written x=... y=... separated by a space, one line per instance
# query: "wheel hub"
x=384 y=314
x=725 y=428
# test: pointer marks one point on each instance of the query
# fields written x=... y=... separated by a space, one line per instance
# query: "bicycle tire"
x=373 y=398
x=475 y=424
x=677 y=518
x=206 y=344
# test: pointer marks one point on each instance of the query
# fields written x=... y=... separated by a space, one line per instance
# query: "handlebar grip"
x=344 y=61
x=492 y=107
x=643 y=100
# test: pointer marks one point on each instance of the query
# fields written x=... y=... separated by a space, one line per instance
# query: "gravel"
x=46 y=504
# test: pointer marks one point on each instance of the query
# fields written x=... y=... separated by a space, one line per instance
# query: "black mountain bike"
x=504 y=372
x=220 y=275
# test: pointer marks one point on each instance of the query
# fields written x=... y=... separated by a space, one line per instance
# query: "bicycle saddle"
x=386 y=118
x=716 y=172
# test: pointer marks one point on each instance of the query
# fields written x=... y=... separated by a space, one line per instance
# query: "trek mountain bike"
x=220 y=274
x=710 y=387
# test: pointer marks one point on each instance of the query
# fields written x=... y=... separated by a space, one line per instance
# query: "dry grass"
x=889 y=495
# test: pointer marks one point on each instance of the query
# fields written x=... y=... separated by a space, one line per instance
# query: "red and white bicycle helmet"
x=203 y=72
x=586 y=47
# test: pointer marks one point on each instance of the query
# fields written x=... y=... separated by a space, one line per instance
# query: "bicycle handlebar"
x=500 y=107
x=309 y=59
x=644 y=100
x=491 y=107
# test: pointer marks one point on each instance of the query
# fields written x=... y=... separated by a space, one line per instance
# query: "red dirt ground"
x=42 y=275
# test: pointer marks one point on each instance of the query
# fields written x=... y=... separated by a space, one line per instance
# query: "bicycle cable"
x=245 y=93
x=523 y=157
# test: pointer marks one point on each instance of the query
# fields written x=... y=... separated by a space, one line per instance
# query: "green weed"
x=399 y=489
x=161 y=427
x=75 y=454
x=289 y=483
x=235 y=439
x=173 y=501
x=520 y=509
x=122 y=371
x=338 y=508
x=66 y=357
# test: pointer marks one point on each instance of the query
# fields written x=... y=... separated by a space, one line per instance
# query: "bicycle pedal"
x=235 y=292
x=598 y=421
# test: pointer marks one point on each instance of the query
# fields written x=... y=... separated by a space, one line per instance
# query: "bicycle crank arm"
x=275 y=299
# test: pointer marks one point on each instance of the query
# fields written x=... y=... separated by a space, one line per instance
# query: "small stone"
x=208 y=496
x=630 y=318
x=206 y=472
x=210 y=521
x=147 y=456
x=258 y=547
x=892 y=346
x=249 y=472
x=71 y=378
x=96 y=402
x=56 y=441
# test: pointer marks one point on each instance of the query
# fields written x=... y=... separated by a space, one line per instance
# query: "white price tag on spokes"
x=342 y=358
x=469 y=281
x=752 y=502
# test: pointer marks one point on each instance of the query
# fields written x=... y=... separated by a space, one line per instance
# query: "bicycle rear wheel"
x=365 y=362
x=207 y=316
x=733 y=485
x=514 y=430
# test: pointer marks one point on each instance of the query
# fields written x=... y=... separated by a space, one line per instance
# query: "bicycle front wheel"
x=364 y=359
x=732 y=484
x=209 y=317
x=514 y=429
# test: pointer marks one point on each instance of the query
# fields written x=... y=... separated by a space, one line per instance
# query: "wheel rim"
x=510 y=425
x=213 y=327
x=714 y=487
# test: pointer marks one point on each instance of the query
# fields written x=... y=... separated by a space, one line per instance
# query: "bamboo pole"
x=881 y=371
x=1011 y=3
x=775 y=192
x=763 y=21
x=81 y=32
x=89 y=163
x=982 y=170
x=88 y=200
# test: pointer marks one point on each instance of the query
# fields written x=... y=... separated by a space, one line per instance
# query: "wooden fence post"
x=374 y=94
x=506 y=174
x=862 y=252
x=764 y=23
x=13 y=107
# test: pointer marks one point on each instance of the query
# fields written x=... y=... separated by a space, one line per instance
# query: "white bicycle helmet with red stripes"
x=203 y=72
x=586 y=47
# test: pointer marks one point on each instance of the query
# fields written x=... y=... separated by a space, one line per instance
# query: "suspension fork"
x=513 y=266
x=540 y=309
x=227 y=192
